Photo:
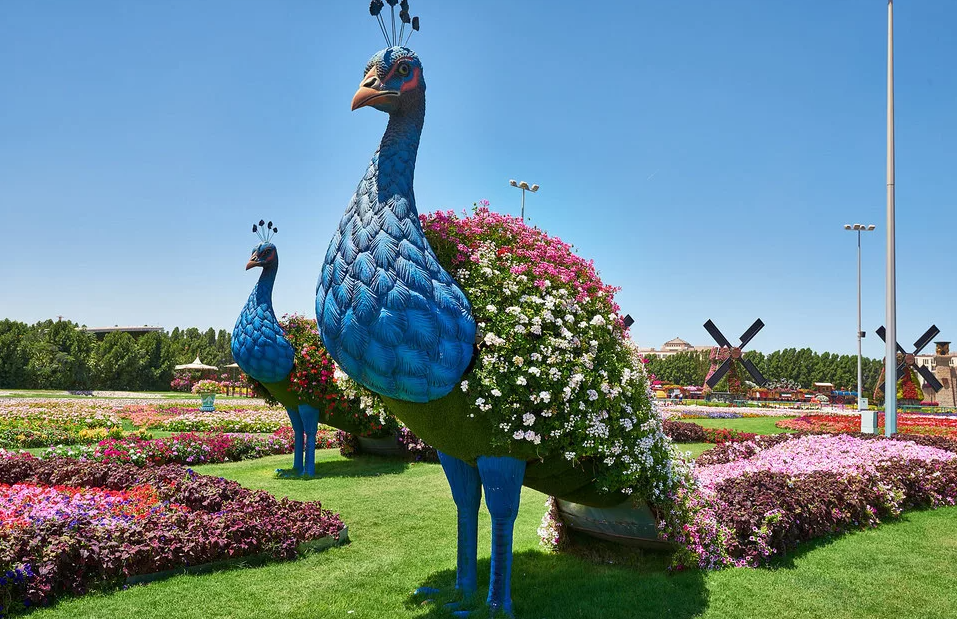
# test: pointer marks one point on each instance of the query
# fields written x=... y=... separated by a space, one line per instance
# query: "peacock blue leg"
x=297 y=438
x=502 y=479
x=310 y=423
x=467 y=493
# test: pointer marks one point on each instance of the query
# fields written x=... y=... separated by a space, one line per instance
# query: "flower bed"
x=686 y=432
x=190 y=419
x=725 y=412
x=906 y=424
x=23 y=438
x=67 y=527
x=19 y=413
x=188 y=448
x=757 y=499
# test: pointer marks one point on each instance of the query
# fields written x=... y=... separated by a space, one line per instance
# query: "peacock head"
x=393 y=82
x=264 y=255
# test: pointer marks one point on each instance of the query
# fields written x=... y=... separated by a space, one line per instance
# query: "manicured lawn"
x=758 y=425
x=402 y=523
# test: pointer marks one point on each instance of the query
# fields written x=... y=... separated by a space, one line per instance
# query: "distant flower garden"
x=189 y=448
x=906 y=424
x=178 y=418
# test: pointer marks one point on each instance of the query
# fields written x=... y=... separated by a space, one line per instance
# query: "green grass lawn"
x=758 y=425
x=402 y=523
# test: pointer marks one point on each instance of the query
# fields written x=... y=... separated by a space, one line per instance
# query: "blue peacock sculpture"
x=399 y=324
x=262 y=351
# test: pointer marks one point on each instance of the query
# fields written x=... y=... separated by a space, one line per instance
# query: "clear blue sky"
x=705 y=154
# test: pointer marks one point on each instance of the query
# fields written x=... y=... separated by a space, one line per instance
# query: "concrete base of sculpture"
x=382 y=446
x=623 y=524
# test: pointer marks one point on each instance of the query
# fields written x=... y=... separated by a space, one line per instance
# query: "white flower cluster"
x=555 y=371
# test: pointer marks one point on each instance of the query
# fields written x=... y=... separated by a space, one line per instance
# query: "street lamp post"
x=868 y=418
x=523 y=186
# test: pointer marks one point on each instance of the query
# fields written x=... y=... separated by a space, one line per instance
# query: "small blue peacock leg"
x=502 y=479
x=297 y=439
x=467 y=493
x=310 y=423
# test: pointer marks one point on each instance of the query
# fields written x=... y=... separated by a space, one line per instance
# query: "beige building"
x=944 y=366
x=672 y=347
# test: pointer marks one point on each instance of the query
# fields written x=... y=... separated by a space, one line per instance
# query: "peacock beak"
x=371 y=92
x=252 y=263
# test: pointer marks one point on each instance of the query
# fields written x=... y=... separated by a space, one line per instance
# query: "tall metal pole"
x=890 y=355
x=860 y=375
x=523 y=204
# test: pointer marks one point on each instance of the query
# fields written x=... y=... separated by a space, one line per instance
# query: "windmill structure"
x=725 y=355
x=909 y=360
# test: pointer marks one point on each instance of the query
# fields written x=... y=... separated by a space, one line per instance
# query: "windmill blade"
x=753 y=371
x=930 y=378
x=899 y=372
x=925 y=339
x=719 y=373
x=882 y=333
x=751 y=332
x=717 y=335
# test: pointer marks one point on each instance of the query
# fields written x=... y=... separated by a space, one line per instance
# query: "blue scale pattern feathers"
x=388 y=313
x=259 y=345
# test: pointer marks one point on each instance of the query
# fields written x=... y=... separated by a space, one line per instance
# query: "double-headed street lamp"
x=523 y=186
x=868 y=419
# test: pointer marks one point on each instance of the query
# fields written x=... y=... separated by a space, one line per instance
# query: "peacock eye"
x=403 y=69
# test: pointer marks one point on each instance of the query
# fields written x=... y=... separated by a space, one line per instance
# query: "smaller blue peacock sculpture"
x=261 y=350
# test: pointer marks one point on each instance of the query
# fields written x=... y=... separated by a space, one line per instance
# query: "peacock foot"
x=289 y=473
x=431 y=595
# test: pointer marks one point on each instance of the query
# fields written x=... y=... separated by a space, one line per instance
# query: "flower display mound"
x=69 y=526
x=686 y=432
x=226 y=418
x=188 y=448
x=554 y=377
x=412 y=447
x=907 y=423
x=756 y=500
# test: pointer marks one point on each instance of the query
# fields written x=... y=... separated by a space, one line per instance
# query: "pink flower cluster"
x=24 y=504
x=538 y=255
x=807 y=454
x=763 y=497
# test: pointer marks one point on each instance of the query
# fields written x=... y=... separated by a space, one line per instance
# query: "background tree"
x=683 y=368
x=157 y=361
x=119 y=363
x=14 y=354
x=61 y=355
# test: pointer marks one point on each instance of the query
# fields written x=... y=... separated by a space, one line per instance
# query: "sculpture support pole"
x=890 y=339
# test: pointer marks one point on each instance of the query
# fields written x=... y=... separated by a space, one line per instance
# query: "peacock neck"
x=262 y=293
x=395 y=159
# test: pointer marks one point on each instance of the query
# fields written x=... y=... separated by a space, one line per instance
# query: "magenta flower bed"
x=187 y=448
x=757 y=499
x=67 y=527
